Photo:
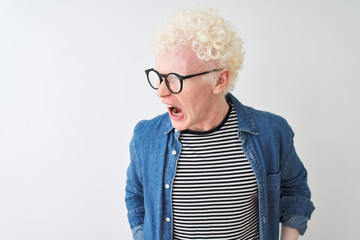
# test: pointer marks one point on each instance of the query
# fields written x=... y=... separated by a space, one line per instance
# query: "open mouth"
x=174 y=110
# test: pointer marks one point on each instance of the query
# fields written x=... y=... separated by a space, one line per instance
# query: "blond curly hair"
x=211 y=37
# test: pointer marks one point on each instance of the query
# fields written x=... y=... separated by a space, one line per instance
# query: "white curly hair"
x=211 y=37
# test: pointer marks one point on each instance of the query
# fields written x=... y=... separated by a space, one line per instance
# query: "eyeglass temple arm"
x=198 y=74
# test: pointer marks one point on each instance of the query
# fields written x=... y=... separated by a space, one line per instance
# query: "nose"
x=163 y=90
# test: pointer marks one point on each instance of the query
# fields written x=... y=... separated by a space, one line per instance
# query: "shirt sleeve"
x=295 y=204
x=138 y=233
x=134 y=197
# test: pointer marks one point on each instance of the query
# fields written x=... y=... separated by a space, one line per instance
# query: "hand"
x=288 y=233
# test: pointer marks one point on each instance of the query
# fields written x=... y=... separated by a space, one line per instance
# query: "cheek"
x=195 y=102
x=193 y=109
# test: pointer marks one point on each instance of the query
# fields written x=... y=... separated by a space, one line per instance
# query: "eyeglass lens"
x=173 y=82
x=154 y=79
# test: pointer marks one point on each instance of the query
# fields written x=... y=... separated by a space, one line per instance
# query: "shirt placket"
x=174 y=148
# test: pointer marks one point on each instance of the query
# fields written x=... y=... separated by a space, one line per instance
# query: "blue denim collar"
x=168 y=126
x=245 y=118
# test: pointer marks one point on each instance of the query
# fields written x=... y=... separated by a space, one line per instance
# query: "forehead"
x=184 y=61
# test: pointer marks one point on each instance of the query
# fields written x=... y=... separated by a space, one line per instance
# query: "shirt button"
x=167 y=186
x=167 y=219
x=176 y=130
x=173 y=152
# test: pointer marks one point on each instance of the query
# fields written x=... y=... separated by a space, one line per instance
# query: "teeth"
x=173 y=110
x=175 y=113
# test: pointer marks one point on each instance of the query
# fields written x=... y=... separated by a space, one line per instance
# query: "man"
x=211 y=168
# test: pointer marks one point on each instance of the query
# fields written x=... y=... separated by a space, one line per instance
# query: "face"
x=196 y=106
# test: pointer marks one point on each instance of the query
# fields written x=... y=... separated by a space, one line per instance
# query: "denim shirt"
x=267 y=141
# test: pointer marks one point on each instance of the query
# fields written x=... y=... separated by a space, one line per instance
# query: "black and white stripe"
x=215 y=193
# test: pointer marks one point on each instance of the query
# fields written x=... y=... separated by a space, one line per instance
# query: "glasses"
x=174 y=81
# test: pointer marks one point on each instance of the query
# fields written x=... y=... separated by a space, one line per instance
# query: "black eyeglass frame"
x=181 y=78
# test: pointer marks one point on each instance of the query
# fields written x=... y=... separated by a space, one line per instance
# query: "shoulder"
x=259 y=121
x=268 y=119
x=271 y=124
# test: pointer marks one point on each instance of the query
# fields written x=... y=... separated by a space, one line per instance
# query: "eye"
x=174 y=82
x=154 y=79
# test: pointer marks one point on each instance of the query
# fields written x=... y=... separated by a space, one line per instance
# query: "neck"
x=215 y=116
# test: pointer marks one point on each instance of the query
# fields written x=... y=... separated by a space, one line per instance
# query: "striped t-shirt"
x=215 y=193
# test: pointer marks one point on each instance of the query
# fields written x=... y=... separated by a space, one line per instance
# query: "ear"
x=222 y=82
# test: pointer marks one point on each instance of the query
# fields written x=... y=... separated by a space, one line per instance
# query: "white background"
x=72 y=87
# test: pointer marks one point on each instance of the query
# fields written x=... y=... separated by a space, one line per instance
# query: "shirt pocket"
x=273 y=190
